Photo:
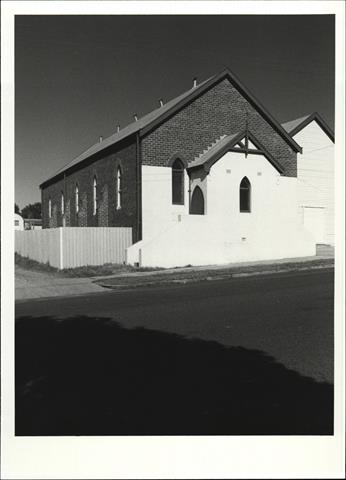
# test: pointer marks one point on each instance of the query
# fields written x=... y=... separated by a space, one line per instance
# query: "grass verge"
x=86 y=271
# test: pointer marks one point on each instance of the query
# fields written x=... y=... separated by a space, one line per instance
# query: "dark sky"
x=77 y=77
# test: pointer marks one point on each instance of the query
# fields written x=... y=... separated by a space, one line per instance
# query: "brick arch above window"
x=178 y=187
x=118 y=186
x=94 y=196
x=117 y=164
x=177 y=156
x=76 y=197
x=62 y=203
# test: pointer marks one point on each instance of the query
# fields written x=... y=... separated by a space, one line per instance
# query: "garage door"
x=314 y=222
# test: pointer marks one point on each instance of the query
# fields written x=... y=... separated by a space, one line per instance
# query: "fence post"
x=61 y=252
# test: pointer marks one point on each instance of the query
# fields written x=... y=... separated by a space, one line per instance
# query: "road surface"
x=251 y=355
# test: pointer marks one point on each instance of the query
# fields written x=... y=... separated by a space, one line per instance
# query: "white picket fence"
x=69 y=247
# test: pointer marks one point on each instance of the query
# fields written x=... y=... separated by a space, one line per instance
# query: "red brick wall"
x=104 y=167
x=220 y=111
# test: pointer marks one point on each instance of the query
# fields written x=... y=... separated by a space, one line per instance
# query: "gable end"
x=321 y=123
x=244 y=91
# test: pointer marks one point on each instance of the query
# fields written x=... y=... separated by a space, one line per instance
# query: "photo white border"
x=164 y=457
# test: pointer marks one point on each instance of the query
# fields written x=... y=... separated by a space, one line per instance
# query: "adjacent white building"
x=315 y=168
x=18 y=222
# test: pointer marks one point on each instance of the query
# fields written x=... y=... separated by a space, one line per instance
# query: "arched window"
x=76 y=197
x=178 y=182
x=94 y=196
x=118 y=189
x=197 y=202
x=245 y=195
x=50 y=207
x=62 y=203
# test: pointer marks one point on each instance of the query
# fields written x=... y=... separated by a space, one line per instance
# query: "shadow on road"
x=89 y=376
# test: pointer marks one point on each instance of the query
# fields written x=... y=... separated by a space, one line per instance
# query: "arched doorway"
x=197 y=202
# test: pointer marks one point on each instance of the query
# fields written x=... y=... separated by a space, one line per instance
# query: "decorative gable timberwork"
x=243 y=142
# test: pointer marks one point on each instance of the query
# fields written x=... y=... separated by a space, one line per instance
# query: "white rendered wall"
x=158 y=213
x=273 y=198
x=316 y=175
x=272 y=230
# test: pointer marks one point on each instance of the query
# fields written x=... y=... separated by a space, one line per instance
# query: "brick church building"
x=208 y=177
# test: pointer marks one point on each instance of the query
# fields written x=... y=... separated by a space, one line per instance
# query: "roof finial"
x=101 y=138
x=194 y=82
x=161 y=102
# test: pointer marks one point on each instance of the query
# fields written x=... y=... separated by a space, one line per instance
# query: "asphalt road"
x=251 y=355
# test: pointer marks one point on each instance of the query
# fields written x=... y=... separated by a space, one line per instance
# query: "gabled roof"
x=295 y=126
x=153 y=119
x=228 y=143
x=127 y=131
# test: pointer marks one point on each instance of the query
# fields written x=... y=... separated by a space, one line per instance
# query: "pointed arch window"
x=197 y=202
x=62 y=203
x=76 y=197
x=178 y=182
x=245 y=195
x=118 y=189
x=94 y=196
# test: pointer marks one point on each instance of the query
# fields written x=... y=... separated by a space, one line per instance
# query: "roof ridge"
x=150 y=121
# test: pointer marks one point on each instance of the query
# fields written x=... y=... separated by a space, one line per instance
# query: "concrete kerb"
x=213 y=272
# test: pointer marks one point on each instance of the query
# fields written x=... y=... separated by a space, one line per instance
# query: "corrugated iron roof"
x=144 y=124
x=292 y=124
x=129 y=129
